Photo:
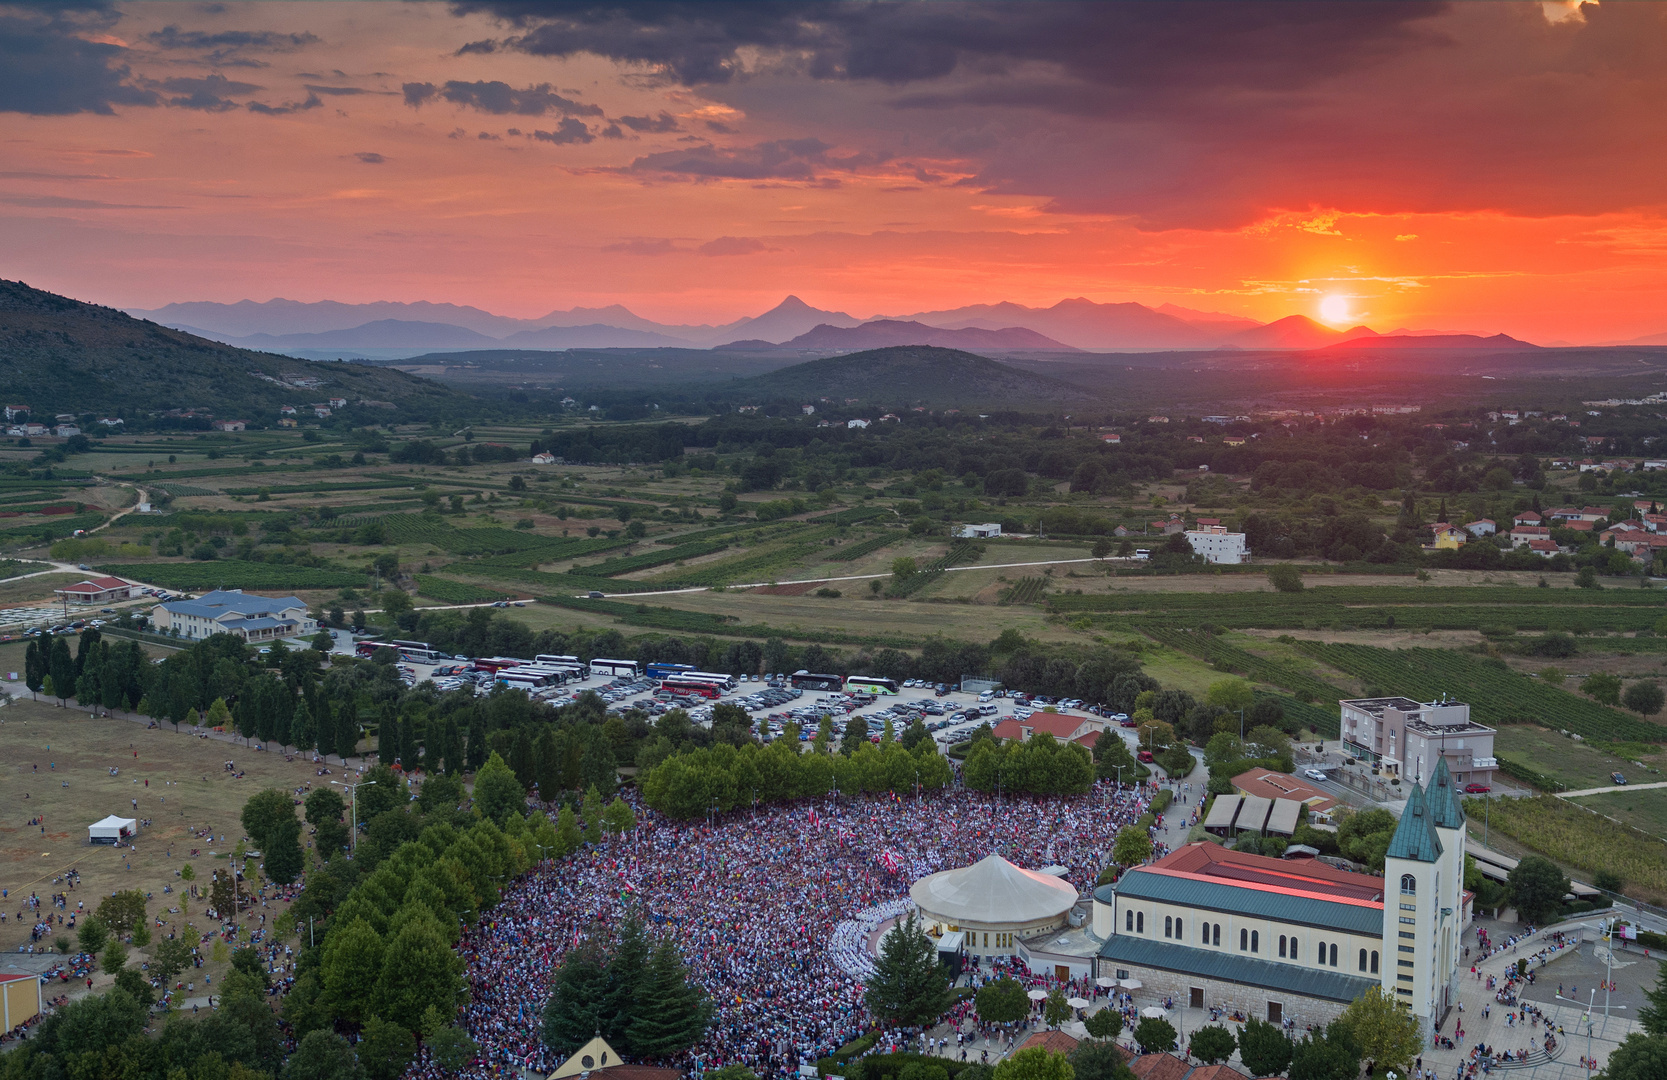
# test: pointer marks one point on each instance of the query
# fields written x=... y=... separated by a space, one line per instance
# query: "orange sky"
x=1495 y=167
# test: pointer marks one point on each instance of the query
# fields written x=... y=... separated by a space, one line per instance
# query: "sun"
x=1335 y=309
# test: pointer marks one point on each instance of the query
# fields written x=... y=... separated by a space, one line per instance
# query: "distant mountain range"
x=911 y=375
x=388 y=330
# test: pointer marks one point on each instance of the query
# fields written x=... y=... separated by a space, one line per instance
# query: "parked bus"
x=868 y=684
x=420 y=651
x=521 y=679
x=805 y=680
x=578 y=667
x=497 y=663
x=618 y=669
x=683 y=684
x=661 y=671
x=367 y=649
x=726 y=681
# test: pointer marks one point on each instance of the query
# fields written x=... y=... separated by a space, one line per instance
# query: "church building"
x=1277 y=939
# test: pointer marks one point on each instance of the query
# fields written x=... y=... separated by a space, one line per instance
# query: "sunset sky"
x=1482 y=167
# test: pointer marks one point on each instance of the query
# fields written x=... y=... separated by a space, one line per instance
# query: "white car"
x=1315 y=774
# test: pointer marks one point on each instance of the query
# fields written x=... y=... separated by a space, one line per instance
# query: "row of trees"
x=632 y=990
x=694 y=782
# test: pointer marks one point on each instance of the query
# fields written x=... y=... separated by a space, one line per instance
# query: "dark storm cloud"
x=370 y=157
x=342 y=91
x=231 y=46
x=208 y=94
x=1149 y=46
x=657 y=125
x=47 y=70
x=499 y=98
x=264 y=109
x=568 y=131
x=778 y=159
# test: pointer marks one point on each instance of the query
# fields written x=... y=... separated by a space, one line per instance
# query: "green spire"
x=1445 y=807
x=1415 y=837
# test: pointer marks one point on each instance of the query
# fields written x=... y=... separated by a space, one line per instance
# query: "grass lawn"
x=1646 y=810
x=1577 y=764
x=57 y=766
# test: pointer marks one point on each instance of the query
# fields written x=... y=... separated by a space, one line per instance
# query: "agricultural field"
x=1581 y=839
x=1644 y=810
x=1575 y=764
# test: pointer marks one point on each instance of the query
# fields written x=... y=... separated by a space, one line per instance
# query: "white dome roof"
x=993 y=890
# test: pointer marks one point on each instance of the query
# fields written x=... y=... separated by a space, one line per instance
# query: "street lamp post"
x=353 y=794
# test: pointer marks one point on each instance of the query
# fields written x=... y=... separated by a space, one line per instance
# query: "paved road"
x=865 y=577
x=1612 y=787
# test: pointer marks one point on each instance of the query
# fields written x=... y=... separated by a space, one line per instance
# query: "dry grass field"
x=57 y=766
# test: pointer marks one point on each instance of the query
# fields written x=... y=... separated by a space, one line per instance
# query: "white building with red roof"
x=100 y=590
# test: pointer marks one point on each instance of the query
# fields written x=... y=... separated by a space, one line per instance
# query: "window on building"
x=1140 y=922
x=1128 y=921
x=1282 y=945
x=1244 y=940
x=1322 y=952
x=1179 y=936
x=1362 y=959
x=1217 y=934
x=1409 y=885
x=1293 y=948
x=1168 y=926
x=1255 y=941
x=1333 y=961
x=1374 y=962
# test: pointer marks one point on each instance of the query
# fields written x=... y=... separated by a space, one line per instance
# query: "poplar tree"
x=301 y=725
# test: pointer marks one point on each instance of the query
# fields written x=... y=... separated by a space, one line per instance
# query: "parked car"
x=1617 y=777
x=1315 y=774
x=1477 y=789
x=1145 y=756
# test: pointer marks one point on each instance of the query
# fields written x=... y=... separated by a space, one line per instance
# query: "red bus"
x=685 y=685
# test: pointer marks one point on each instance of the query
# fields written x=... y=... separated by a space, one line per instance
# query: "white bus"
x=517 y=679
x=617 y=669
x=868 y=684
x=547 y=658
x=725 y=681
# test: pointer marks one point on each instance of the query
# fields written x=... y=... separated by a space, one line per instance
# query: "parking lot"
x=951 y=715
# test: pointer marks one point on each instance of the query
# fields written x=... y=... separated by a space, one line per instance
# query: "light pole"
x=353 y=794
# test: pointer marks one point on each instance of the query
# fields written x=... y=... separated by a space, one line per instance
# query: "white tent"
x=992 y=890
x=112 y=830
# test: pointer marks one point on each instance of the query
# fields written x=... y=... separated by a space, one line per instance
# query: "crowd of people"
x=753 y=902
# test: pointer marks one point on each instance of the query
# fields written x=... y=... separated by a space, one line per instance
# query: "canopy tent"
x=1129 y=984
x=112 y=830
x=1077 y=1002
x=1037 y=995
x=1105 y=982
x=993 y=891
x=1152 y=1012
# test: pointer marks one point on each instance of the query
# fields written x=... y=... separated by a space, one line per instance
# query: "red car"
x=1476 y=789
x=1145 y=755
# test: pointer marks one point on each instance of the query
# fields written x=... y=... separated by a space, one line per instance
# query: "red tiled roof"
x=1216 y=1072
x=1277 y=785
x=103 y=584
x=1059 y=725
x=1055 y=1042
x=1308 y=878
x=1159 y=1067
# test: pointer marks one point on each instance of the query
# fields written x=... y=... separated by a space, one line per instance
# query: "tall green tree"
x=1385 y=1030
x=908 y=986
x=324 y=809
x=1105 y=1024
x=347 y=730
x=386 y=1049
x=576 y=1008
x=1328 y=1055
x=627 y=971
x=1653 y=1017
x=682 y=1011
x=262 y=813
x=301 y=729
x=1639 y=1057
x=1094 y=1059
x=1212 y=1044
x=419 y=969
x=1154 y=1035
x=498 y=793
x=1264 y=1049
x=283 y=858
x=1537 y=888
x=323 y=1055
x=350 y=969
x=61 y=666
x=1036 y=1063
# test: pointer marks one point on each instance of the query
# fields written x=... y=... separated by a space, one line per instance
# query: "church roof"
x=993 y=890
x=1415 y=836
x=1445 y=807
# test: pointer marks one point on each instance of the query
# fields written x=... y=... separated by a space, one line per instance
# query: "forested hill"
x=911 y=375
x=59 y=355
